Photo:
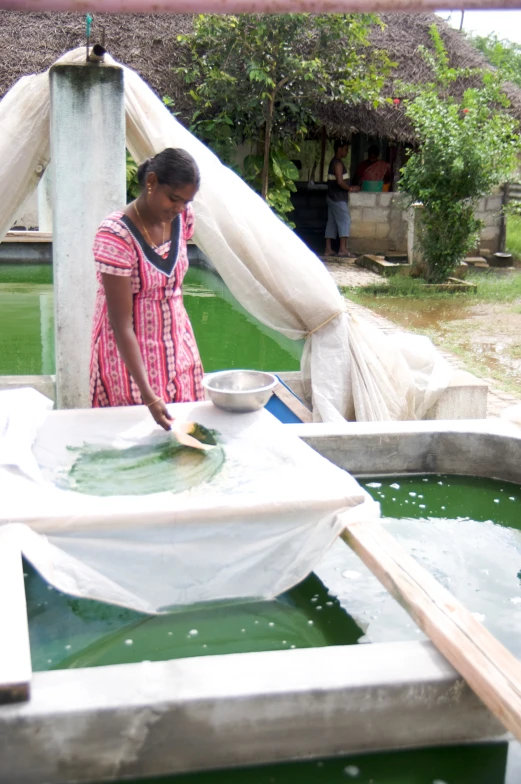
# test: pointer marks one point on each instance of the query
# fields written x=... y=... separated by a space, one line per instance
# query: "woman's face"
x=166 y=202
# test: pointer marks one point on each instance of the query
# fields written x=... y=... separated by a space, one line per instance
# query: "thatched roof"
x=31 y=42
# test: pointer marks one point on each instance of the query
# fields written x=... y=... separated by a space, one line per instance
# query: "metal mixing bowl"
x=240 y=391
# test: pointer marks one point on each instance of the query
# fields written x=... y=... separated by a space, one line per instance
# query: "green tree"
x=503 y=55
x=261 y=78
x=467 y=146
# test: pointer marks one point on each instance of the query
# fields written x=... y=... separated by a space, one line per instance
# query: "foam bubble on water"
x=375 y=484
x=193 y=632
x=314 y=599
x=68 y=647
x=49 y=661
x=329 y=604
x=438 y=781
x=393 y=499
x=243 y=630
x=292 y=646
x=170 y=634
x=511 y=498
x=129 y=642
x=422 y=506
x=256 y=623
x=395 y=486
x=351 y=575
x=310 y=623
x=284 y=642
x=319 y=608
x=496 y=500
x=271 y=623
x=413 y=495
x=352 y=771
x=205 y=646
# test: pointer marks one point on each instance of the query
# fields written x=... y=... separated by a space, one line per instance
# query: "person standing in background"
x=373 y=170
x=338 y=189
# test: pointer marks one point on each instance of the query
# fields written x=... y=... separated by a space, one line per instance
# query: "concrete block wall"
x=379 y=222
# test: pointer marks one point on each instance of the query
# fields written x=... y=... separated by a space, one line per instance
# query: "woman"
x=143 y=346
x=338 y=189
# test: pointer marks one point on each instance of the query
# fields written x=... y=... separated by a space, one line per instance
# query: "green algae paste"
x=476 y=764
x=66 y=632
x=155 y=465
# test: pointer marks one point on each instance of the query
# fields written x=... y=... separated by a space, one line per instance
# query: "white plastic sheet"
x=254 y=530
x=350 y=370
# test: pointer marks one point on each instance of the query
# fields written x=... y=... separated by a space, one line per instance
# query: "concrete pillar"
x=414 y=253
x=45 y=201
x=88 y=183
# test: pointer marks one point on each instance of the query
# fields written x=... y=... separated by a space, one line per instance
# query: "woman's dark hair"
x=174 y=167
x=374 y=150
x=340 y=143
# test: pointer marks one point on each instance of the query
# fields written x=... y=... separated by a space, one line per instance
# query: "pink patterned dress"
x=161 y=323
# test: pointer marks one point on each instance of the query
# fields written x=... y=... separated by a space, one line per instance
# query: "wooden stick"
x=490 y=669
x=293 y=403
x=15 y=651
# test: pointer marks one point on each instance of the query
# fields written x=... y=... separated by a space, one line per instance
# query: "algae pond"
x=465 y=531
x=476 y=764
x=226 y=334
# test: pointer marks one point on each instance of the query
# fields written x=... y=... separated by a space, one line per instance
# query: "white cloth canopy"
x=350 y=369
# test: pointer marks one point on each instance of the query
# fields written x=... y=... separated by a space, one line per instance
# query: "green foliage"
x=504 y=55
x=282 y=176
x=466 y=148
x=133 y=189
x=260 y=78
x=514 y=235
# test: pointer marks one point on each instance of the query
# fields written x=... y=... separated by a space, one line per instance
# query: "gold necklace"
x=152 y=245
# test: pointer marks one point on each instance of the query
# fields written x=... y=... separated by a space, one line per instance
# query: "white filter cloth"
x=255 y=529
x=350 y=369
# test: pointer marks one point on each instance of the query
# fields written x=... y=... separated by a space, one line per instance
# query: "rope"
x=325 y=322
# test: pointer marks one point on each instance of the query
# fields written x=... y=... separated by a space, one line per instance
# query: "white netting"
x=253 y=529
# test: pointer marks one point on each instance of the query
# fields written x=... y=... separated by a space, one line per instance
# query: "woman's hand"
x=160 y=414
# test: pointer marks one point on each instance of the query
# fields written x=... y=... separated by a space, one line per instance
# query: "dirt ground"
x=485 y=337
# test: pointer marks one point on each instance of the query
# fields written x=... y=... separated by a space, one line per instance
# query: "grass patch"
x=492 y=287
x=513 y=241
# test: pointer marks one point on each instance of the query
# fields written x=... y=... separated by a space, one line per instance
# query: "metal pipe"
x=249 y=6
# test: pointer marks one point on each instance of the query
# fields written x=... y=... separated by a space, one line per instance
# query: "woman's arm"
x=118 y=292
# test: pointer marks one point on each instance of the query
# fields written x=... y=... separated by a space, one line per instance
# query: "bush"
x=466 y=148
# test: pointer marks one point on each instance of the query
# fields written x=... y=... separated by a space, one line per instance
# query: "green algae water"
x=483 y=764
x=465 y=531
x=66 y=632
x=227 y=336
